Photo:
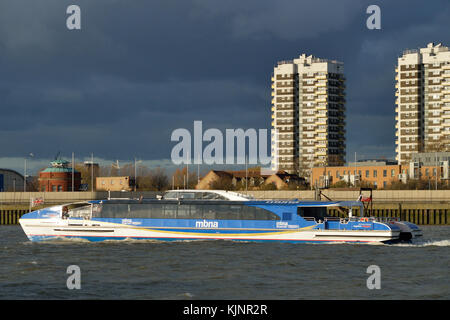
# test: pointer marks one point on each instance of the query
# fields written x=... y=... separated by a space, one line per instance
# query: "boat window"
x=137 y=211
x=209 y=212
x=312 y=212
x=228 y=212
x=249 y=213
x=171 y=195
x=112 y=211
x=263 y=214
x=186 y=195
x=196 y=211
x=183 y=211
x=212 y=196
x=170 y=211
x=79 y=210
x=155 y=211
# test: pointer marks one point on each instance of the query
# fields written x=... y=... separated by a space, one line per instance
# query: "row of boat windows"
x=193 y=195
x=184 y=211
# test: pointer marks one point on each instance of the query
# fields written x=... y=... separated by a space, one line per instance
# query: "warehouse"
x=10 y=180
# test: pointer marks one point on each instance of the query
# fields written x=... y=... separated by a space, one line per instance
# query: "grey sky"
x=140 y=69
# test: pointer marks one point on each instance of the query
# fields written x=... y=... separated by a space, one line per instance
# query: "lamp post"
x=73 y=171
x=25 y=172
x=435 y=154
x=135 y=173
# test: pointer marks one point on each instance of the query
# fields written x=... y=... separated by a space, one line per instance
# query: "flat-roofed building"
x=125 y=183
x=379 y=173
x=428 y=165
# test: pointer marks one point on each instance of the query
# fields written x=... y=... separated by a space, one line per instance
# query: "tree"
x=268 y=186
x=340 y=184
x=159 y=179
x=181 y=180
x=224 y=183
x=86 y=174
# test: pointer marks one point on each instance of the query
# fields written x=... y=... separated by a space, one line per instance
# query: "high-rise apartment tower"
x=308 y=114
x=422 y=101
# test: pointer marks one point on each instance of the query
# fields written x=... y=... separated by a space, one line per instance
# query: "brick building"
x=381 y=173
x=58 y=177
x=378 y=173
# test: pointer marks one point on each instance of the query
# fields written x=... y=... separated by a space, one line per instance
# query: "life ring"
x=364 y=219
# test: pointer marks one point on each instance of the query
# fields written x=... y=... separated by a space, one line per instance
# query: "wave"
x=429 y=243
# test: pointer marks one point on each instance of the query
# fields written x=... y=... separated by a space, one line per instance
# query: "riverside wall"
x=417 y=206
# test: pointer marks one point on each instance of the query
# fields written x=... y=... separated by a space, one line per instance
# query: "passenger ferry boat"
x=212 y=215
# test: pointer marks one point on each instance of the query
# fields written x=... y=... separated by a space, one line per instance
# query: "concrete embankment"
x=423 y=207
x=418 y=213
x=11 y=214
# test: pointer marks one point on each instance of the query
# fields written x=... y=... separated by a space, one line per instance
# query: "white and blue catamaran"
x=212 y=215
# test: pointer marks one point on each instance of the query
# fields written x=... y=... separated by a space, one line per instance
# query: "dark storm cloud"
x=140 y=69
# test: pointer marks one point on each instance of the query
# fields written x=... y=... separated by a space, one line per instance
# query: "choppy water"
x=223 y=269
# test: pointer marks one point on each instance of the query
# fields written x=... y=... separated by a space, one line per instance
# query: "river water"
x=223 y=269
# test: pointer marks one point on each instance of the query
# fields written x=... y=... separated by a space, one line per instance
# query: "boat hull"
x=43 y=229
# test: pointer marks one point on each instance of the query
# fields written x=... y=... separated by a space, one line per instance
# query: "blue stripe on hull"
x=98 y=239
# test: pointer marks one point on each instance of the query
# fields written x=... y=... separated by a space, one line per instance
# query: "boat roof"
x=294 y=202
x=229 y=195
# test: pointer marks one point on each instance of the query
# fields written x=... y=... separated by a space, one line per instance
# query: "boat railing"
x=386 y=219
x=373 y=219
x=322 y=219
x=332 y=219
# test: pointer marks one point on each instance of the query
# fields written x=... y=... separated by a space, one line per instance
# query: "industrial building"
x=11 y=181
